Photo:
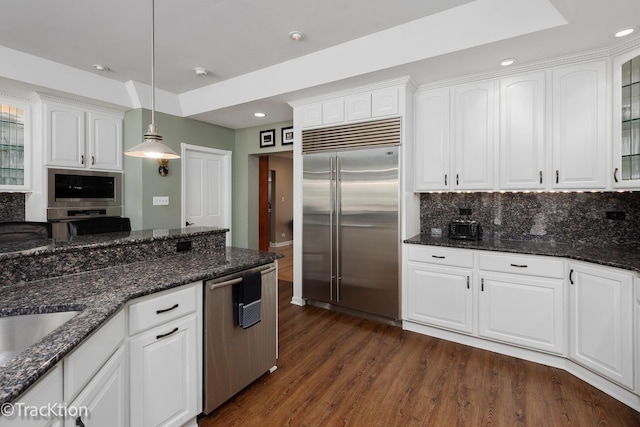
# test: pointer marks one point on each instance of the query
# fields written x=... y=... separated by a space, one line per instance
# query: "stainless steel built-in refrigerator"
x=351 y=229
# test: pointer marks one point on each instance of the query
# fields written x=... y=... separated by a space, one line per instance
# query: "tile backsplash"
x=12 y=206
x=543 y=217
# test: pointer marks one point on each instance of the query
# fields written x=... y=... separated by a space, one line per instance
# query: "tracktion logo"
x=51 y=410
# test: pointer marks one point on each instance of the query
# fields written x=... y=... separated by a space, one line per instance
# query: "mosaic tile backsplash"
x=12 y=207
x=543 y=217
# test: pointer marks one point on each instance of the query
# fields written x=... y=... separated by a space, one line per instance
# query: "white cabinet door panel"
x=163 y=372
x=384 y=102
x=580 y=126
x=64 y=136
x=522 y=311
x=601 y=321
x=522 y=112
x=359 y=107
x=432 y=133
x=440 y=297
x=104 y=141
x=474 y=136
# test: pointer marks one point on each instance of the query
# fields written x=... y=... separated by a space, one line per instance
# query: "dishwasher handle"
x=233 y=279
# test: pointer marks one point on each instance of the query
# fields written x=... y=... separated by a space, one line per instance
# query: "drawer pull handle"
x=445 y=179
x=438 y=256
x=467 y=282
x=519 y=265
x=167 y=309
x=167 y=334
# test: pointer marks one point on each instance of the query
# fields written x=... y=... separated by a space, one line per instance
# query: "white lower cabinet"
x=522 y=311
x=102 y=403
x=601 y=321
x=47 y=391
x=440 y=296
x=164 y=361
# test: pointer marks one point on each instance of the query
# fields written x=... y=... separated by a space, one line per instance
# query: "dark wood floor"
x=335 y=369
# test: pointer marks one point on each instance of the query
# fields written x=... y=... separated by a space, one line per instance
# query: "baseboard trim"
x=280 y=244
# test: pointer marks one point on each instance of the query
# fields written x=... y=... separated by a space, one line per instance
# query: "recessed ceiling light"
x=260 y=114
x=507 y=62
x=100 y=67
x=296 y=35
x=625 y=32
x=200 y=71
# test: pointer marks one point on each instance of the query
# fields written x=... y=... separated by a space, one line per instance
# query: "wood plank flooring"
x=336 y=369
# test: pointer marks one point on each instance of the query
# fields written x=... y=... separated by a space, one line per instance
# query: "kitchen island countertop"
x=627 y=258
x=98 y=295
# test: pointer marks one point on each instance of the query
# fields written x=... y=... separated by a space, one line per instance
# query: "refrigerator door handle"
x=338 y=214
x=332 y=207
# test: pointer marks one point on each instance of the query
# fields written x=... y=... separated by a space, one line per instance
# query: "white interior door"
x=206 y=187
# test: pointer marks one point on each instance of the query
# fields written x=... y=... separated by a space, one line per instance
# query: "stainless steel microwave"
x=82 y=193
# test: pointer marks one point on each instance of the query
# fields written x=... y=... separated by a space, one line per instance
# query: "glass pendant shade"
x=152 y=147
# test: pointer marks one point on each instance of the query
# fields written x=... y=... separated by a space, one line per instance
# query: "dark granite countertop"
x=627 y=258
x=100 y=294
x=35 y=246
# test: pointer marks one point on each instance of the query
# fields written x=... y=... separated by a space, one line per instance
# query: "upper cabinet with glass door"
x=14 y=172
x=626 y=119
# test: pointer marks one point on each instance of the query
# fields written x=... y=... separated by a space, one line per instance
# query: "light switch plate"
x=160 y=200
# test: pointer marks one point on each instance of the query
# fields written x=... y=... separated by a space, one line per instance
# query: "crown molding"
x=588 y=56
x=44 y=97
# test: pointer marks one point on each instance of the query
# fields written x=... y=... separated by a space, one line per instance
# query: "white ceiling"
x=252 y=63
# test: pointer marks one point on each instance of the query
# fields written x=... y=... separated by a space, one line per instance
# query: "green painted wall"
x=245 y=181
x=141 y=179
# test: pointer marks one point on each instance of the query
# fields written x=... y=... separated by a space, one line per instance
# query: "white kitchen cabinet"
x=601 y=321
x=102 y=403
x=524 y=311
x=522 y=300
x=333 y=111
x=432 y=143
x=358 y=107
x=384 y=102
x=626 y=120
x=474 y=132
x=580 y=126
x=522 y=132
x=163 y=374
x=47 y=391
x=440 y=296
x=165 y=371
x=15 y=145
x=312 y=115
x=104 y=141
x=76 y=137
x=439 y=287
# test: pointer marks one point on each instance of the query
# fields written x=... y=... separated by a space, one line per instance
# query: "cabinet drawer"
x=82 y=364
x=161 y=308
x=519 y=264
x=441 y=256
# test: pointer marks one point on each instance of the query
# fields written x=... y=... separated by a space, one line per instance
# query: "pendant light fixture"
x=152 y=146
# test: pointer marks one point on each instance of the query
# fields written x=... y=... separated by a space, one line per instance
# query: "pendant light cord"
x=153 y=64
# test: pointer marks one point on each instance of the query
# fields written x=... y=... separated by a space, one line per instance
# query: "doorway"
x=206 y=187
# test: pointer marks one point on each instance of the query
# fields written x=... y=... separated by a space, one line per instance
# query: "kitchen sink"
x=20 y=332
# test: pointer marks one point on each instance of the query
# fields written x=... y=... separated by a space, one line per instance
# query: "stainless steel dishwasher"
x=235 y=357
